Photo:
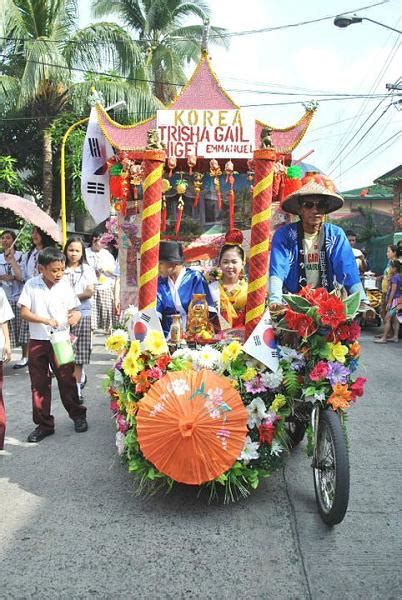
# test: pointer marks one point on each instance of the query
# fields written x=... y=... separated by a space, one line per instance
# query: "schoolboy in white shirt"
x=6 y=314
x=47 y=302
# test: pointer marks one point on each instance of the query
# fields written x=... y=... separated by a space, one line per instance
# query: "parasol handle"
x=19 y=233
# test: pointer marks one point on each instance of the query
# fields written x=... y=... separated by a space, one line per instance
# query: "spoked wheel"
x=331 y=468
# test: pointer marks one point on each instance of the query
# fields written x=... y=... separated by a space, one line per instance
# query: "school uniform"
x=79 y=278
x=52 y=303
x=29 y=270
x=103 y=298
x=13 y=290
x=6 y=314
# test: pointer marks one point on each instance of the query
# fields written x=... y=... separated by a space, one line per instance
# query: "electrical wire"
x=395 y=137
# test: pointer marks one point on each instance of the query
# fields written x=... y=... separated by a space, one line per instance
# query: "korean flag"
x=95 y=175
x=262 y=345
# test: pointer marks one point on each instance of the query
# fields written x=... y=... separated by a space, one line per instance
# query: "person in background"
x=48 y=303
x=391 y=254
x=104 y=265
x=6 y=314
x=40 y=240
x=11 y=281
x=82 y=279
x=391 y=321
x=358 y=254
x=176 y=286
x=230 y=291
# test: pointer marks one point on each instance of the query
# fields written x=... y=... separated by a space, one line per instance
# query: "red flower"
x=357 y=387
x=163 y=361
x=141 y=383
x=303 y=324
x=345 y=332
x=354 y=331
x=315 y=296
x=266 y=432
x=320 y=371
x=331 y=311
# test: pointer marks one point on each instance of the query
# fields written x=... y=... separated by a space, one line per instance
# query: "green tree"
x=42 y=50
x=165 y=42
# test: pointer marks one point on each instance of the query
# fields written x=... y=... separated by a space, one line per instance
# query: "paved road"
x=71 y=528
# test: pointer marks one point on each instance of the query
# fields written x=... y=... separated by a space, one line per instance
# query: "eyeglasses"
x=320 y=205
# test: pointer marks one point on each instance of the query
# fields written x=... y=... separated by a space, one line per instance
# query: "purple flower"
x=254 y=386
x=337 y=373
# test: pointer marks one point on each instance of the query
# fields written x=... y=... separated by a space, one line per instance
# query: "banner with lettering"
x=207 y=133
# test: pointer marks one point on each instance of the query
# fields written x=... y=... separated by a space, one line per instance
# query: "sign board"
x=207 y=133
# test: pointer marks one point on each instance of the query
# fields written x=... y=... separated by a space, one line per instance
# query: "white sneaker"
x=20 y=364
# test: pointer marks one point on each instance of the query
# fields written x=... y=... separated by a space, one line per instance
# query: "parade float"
x=220 y=413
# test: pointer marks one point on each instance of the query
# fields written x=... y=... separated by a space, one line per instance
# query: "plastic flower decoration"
x=257 y=411
x=117 y=341
x=250 y=450
x=155 y=343
x=340 y=397
x=231 y=352
x=338 y=352
x=130 y=365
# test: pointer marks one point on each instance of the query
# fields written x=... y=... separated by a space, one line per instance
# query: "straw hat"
x=291 y=204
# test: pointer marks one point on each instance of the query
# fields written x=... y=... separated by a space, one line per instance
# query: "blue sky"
x=316 y=58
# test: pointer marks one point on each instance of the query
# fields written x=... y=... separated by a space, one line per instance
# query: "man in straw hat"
x=311 y=252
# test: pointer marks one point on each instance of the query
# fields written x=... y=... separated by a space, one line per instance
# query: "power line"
x=395 y=136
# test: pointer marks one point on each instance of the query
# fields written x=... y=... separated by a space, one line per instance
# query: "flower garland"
x=318 y=368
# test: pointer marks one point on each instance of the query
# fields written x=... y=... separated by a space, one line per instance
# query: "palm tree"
x=166 y=44
x=44 y=51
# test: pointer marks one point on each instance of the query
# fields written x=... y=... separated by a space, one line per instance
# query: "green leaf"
x=297 y=303
x=351 y=304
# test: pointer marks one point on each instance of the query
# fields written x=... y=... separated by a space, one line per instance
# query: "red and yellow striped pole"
x=260 y=228
x=151 y=227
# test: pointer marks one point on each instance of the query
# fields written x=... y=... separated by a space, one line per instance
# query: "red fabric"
x=40 y=356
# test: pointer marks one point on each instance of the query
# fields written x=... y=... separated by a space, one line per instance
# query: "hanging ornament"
x=277 y=186
x=119 y=188
x=215 y=172
x=292 y=180
x=250 y=173
x=165 y=188
x=229 y=171
x=191 y=162
x=136 y=176
x=181 y=186
x=171 y=163
x=197 y=187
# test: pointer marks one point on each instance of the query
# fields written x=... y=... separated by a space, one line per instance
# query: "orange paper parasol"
x=192 y=425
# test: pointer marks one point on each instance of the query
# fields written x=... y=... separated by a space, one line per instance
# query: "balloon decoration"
x=215 y=172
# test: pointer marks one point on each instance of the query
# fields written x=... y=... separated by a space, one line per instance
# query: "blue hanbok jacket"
x=174 y=298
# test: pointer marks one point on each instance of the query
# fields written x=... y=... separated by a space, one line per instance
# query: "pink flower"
x=357 y=387
x=114 y=406
x=155 y=373
x=122 y=424
x=320 y=371
x=255 y=386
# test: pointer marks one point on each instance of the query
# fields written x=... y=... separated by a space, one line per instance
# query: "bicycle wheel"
x=331 y=468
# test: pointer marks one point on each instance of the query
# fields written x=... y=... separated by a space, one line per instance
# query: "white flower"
x=257 y=411
x=179 y=387
x=276 y=448
x=207 y=358
x=120 y=442
x=118 y=376
x=272 y=380
x=250 y=451
x=184 y=353
x=290 y=355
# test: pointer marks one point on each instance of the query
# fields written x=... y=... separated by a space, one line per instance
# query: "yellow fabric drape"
x=232 y=301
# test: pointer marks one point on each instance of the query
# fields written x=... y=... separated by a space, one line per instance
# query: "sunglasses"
x=320 y=205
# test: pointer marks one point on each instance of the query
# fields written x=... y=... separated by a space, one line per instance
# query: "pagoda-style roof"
x=202 y=91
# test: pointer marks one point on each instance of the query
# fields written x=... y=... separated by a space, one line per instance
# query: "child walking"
x=47 y=302
x=82 y=279
x=6 y=314
x=392 y=299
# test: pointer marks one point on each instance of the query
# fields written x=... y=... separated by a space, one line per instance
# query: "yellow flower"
x=155 y=343
x=130 y=365
x=279 y=401
x=249 y=374
x=135 y=349
x=234 y=383
x=117 y=341
x=231 y=352
x=131 y=409
x=338 y=352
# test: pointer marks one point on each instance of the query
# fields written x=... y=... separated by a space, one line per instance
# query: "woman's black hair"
x=396 y=265
x=394 y=248
x=9 y=232
x=78 y=239
x=47 y=241
x=227 y=247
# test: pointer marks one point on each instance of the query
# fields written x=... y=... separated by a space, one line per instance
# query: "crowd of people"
x=46 y=290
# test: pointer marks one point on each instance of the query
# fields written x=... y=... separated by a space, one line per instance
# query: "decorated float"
x=220 y=413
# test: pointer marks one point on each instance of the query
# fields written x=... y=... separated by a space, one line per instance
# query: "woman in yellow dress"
x=230 y=290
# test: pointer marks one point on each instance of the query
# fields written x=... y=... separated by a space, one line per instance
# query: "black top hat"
x=171 y=251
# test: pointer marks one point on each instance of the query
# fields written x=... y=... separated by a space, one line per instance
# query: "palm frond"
x=43 y=63
x=188 y=8
x=129 y=11
x=9 y=91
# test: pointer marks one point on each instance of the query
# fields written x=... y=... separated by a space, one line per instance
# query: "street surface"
x=71 y=528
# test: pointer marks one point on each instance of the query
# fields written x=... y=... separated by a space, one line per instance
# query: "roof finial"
x=205 y=34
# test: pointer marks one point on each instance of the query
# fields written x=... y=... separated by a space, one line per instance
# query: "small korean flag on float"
x=262 y=344
x=141 y=323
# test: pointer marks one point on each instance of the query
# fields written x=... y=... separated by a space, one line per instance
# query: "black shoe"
x=38 y=434
x=80 y=424
x=83 y=384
